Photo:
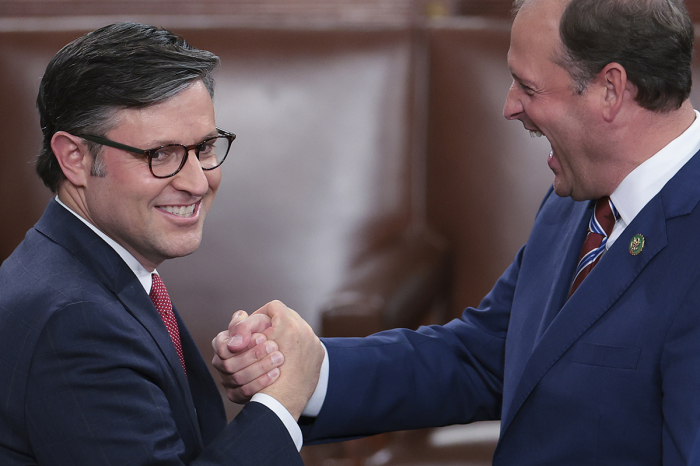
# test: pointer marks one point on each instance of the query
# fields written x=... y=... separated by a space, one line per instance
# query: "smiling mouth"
x=181 y=211
x=536 y=133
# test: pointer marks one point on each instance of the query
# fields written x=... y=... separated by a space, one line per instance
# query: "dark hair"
x=651 y=39
x=124 y=65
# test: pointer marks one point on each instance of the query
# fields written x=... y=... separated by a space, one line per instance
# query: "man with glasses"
x=96 y=366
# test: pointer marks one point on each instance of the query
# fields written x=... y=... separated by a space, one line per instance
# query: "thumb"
x=241 y=332
x=272 y=309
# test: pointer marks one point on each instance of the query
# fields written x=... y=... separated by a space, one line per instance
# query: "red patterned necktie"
x=161 y=300
x=599 y=228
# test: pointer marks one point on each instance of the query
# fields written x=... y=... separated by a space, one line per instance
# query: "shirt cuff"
x=282 y=413
x=313 y=407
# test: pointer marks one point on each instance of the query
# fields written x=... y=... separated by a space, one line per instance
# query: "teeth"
x=536 y=134
x=551 y=153
x=182 y=211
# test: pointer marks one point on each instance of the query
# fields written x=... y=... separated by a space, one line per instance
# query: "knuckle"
x=248 y=390
x=259 y=352
x=219 y=367
x=235 y=396
x=237 y=378
x=227 y=384
x=216 y=342
x=234 y=364
x=225 y=367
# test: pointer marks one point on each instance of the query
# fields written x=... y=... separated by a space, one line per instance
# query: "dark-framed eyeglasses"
x=166 y=161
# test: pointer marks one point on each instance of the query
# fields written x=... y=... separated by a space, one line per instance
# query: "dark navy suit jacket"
x=610 y=376
x=89 y=375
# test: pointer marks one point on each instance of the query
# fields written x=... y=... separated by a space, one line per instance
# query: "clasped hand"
x=249 y=356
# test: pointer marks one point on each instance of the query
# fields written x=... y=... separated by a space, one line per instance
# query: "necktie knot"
x=604 y=217
x=161 y=300
x=600 y=227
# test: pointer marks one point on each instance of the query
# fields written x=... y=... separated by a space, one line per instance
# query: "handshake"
x=250 y=352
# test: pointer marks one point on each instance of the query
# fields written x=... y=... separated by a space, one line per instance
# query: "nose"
x=192 y=177
x=513 y=107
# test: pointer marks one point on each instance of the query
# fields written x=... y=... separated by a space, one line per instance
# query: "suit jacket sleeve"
x=98 y=394
x=402 y=379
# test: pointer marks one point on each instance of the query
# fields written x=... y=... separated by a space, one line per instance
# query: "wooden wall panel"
x=357 y=11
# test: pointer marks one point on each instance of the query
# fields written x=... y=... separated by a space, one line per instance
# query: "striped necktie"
x=599 y=228
x=161 y=300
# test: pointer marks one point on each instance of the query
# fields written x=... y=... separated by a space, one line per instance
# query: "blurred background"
x=374 y=182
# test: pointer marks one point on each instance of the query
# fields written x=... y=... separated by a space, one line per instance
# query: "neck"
x=73 y=199
x=659 y=129
x=642 y=133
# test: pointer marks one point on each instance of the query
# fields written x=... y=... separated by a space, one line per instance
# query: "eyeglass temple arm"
x=223 y=132
x=116 y=145
x=136 y=150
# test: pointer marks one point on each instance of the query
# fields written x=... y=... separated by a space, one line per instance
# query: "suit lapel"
x=564 y=264
x=65 y=229
x=550 y=258
x=598 y=293
x=614 y=273
x=137 y=302
x=205 y=393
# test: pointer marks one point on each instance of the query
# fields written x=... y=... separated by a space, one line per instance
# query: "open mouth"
x=536 y=134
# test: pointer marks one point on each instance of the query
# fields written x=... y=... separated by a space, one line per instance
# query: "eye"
x=164 y=154
x=526 y=89
x=207 y=149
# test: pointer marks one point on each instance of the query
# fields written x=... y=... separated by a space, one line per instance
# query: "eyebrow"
x=525 y=82
x=519 y=79
x=167 y=143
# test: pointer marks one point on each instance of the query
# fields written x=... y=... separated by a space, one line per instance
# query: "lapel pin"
x=636 y=244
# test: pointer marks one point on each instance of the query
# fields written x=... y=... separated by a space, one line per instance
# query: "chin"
x=182 y=248
x=560 y=191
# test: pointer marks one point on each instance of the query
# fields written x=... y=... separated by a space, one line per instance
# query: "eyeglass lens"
x=168 y=160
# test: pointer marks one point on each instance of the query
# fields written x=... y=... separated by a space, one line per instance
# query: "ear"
x=614 y=79
x=73 y=156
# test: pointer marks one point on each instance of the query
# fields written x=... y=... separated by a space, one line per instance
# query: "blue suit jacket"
x=89 y=375
x=610 y=376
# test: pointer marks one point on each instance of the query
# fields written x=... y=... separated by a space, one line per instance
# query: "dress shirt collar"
x=645 y=181
x=139 y=270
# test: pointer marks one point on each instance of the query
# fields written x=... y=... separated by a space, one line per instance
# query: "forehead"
x=534 y=39
x=187 y=117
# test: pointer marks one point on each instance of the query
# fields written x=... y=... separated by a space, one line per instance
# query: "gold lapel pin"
x=636 y=244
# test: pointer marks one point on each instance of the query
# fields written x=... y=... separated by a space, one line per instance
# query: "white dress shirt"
x=645 y=181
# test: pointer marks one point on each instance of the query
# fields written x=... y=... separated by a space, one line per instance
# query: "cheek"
x=214 y=179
